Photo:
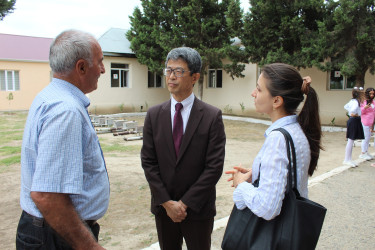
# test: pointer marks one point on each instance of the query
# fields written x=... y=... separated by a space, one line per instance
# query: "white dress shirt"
x=185 y=111
x=266 y=200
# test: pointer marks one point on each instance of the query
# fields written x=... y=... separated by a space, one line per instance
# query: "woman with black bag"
x=259 y=192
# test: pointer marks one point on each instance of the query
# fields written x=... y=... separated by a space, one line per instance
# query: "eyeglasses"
x=360 y=88
x=178 y=72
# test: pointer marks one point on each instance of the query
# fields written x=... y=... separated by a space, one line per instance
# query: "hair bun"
x=306 y=85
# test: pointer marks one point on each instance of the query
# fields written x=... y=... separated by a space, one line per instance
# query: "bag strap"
x=290 y=148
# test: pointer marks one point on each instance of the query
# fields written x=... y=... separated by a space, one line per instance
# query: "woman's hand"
x=239 y=175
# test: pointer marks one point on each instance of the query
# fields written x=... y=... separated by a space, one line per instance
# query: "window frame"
x=344 y=81
x=214 y=85
x=155 y=78
x=122 y=69
x=15 y=80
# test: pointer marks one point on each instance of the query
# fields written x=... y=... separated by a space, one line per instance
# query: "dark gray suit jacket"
x=193 y=175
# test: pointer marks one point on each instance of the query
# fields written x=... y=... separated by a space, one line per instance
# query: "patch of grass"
x=8 y=137
x=10 y=160
x=8 y=150
x=120 y=148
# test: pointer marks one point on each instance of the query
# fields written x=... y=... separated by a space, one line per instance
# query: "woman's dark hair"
x=357 y=94
x=285 y=81
x=367 y=95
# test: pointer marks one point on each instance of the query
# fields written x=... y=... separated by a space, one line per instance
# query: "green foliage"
x=6 y=7
x=347 y=36
x=10 y=96
x=332 y=123
x=208 y=26
x=282 y=31
x=228 y=109
x=242 y=106
x=121 y=107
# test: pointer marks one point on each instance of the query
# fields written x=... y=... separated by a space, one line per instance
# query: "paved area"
x=350 y=201
x=349 y=196
x=347 y=193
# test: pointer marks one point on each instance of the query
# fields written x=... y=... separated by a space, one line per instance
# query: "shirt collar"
x=185 y=103
x=69 y=87
x=281 y=123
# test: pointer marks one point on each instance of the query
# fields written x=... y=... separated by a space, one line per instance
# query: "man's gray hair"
x=69 y=47
x=189 y=55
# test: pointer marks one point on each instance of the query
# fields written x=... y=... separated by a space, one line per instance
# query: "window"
x=9 y=80
x=154 y=80
x=215 y=78
x=119 y=75
x=339 y=81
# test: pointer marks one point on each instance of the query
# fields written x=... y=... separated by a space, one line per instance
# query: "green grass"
x=10 y=136
x=10 y=160
x=8 y=150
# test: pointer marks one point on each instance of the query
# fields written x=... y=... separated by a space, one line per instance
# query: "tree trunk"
x=360 y=77
x=200 y=88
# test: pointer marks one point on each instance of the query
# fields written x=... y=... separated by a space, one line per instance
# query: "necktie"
x=178 y=129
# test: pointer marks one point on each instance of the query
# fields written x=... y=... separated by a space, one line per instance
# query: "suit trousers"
x=197 y=233
x=35 y=233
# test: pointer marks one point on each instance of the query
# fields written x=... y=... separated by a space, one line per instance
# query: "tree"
x=6 y=7
x=282 y=31
x=347 y=38
x=208 y=26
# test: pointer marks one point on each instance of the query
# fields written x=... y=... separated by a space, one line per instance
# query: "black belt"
x=40 y=222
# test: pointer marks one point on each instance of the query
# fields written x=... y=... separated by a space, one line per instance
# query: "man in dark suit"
x=183 y=157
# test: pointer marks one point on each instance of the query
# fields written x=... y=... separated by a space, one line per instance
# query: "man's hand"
x=176 y=210
x=58 y=210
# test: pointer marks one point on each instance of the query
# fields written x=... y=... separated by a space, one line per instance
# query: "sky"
x=48 y=18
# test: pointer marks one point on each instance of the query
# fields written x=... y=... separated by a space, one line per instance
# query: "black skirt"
x=354 y=129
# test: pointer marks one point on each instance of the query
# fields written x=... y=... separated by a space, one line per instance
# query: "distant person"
x=183 y=157
x=367 y=118
x=64 y=181
x=354 y=128
x=278 y=93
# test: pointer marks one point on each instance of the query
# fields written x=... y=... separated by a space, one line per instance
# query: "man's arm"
x=197 y=195
x=59 y=212
x=150 y=163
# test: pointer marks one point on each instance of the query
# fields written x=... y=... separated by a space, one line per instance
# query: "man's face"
x=95 y=70
x=180 y=87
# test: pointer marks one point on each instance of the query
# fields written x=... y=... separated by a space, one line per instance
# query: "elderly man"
x=64 y=181
x=183 y=157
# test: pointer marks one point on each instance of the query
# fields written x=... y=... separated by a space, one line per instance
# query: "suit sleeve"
x=150 y=164
x=196 y=197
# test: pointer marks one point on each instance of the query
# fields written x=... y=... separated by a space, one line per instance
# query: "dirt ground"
x=128 y=223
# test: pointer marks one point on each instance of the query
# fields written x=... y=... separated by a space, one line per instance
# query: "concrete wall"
x=33 y=77
x=110 y=100
x=234 y=92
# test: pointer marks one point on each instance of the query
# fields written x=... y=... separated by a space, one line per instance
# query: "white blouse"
x=353 y=108
x=266 y=200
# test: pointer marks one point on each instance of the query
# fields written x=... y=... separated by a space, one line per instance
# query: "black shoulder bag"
x=297 y=226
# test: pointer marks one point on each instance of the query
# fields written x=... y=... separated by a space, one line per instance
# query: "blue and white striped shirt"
x=61 y=152
x=266 y=200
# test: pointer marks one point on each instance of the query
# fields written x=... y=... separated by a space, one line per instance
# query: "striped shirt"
x=266 y=200
x=61 y=152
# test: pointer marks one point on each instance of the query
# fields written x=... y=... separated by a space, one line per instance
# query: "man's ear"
x=81 y=66
x=195 y=77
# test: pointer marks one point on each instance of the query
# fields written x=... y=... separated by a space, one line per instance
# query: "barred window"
x=9 y=80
